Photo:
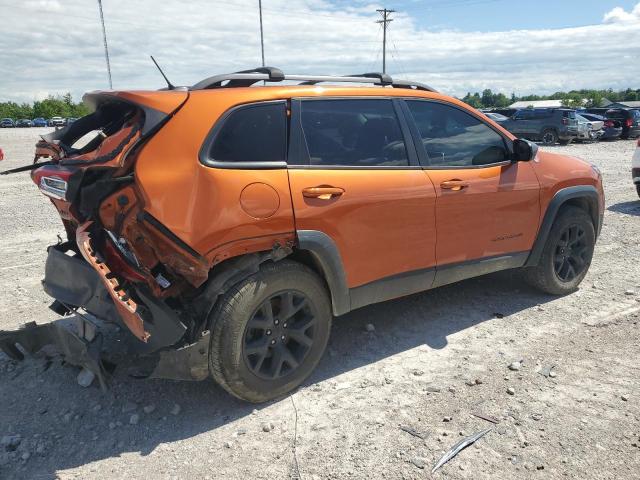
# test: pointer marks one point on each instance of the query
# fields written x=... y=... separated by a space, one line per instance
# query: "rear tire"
x=270 y=331
x=567 y=254
x=638 y=189
x=549 y=137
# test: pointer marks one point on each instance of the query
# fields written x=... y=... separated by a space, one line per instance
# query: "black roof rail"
x=246 y=78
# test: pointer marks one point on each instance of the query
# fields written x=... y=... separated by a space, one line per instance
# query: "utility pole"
x=106 y=49
x=385 y=20
x=261 y=32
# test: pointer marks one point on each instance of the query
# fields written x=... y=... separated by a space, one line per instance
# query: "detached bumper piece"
x=76 y=339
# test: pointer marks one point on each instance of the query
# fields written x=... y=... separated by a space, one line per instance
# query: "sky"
x=455 y=46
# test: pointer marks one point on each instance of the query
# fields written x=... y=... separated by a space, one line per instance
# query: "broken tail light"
x=52 y=181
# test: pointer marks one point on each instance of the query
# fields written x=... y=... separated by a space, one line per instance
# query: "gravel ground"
x=429 y=362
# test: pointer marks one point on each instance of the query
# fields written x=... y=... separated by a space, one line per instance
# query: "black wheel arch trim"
x=325 y=253
x=586 y=192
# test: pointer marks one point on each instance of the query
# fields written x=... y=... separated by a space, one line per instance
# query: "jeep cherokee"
x=227 y=223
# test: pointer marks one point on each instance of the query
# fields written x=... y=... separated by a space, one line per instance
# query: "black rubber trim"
x=392 y=287
x=326 y=254
x=587 y=192
x=162 y=323
x=147 y=217
x=457 y=272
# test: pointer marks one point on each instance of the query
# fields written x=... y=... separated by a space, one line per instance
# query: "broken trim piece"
x=458 y=447
x=127 y=308
x=82 y=352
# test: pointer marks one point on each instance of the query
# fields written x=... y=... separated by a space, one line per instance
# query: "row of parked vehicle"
x=36 y=122
x=564 y=125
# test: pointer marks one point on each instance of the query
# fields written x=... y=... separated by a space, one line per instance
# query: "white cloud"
x=620 y=15
x=54 y=50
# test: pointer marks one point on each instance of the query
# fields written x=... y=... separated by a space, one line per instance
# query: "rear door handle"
x=323 y=192
x=455 y=185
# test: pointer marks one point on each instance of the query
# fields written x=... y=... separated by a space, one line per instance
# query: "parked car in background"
x=630 y=120
x=7 y=123
x=589 y=130
x=1 y=154
x=39 y=122
x=635 y=168
x=56 y=122
x=546 y=125
x=596 y=110
x=496 y=117
x=236 y=232
x=24 y=122
x=70 y=120
x=507 y=112
x=612 y=129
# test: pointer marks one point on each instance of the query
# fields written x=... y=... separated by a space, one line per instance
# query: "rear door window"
x=359 y=132
x=454 y=138
x=253 y=133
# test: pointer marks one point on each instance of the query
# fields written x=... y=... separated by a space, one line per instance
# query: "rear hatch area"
x=115 y=263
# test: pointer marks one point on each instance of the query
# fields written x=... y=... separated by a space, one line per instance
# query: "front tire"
x=270 y=331
x=567 y=254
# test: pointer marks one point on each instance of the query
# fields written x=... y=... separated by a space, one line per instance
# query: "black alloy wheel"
x=279 y=335
x=571 y=253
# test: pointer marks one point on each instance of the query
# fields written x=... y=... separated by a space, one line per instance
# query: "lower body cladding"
x=73 y=283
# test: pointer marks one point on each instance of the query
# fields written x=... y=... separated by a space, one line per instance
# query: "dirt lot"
x=433 y=360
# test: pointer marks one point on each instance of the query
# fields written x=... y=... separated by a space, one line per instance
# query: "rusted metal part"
x=190 y=362
x=126 y=307
x=73 y=338
x=458 y=447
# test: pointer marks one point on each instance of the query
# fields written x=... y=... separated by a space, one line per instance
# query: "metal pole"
x=261 y=32
x=385 y=20
x=106 y=48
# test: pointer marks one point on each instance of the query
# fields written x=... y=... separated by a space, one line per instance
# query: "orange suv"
x=225 y=224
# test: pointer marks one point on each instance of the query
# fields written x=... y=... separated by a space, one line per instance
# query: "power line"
x=106 y=48
x=385 y=20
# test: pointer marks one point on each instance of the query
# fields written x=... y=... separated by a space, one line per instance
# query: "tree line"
x=574 y=98
x=52 y=106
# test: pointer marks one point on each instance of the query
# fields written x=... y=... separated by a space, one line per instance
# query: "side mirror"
x=524 y=150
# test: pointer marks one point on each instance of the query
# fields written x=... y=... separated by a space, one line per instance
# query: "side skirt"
x=421 y=280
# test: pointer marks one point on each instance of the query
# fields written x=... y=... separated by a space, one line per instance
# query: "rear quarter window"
x=253 y=133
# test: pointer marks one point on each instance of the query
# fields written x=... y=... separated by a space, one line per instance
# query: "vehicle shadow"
x=627 y=208
x=51 y=403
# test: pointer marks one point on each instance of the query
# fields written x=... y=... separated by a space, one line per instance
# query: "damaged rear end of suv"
x=117 y=262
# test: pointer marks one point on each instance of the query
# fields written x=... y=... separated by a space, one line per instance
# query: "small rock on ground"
x=85 y=378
